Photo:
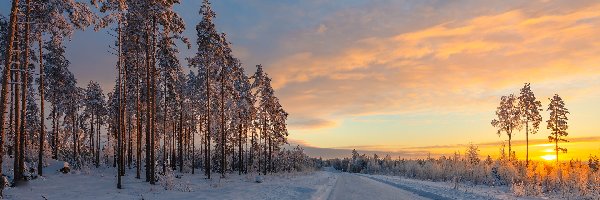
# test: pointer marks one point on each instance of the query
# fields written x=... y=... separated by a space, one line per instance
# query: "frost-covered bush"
x=294 y=160
x=66 y=168
x=169 y=181
x=518 y=188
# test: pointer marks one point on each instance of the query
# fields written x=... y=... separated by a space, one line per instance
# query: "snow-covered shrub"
x=167 y=180
x=518 y=188
x=108 y=150
x=28 y=172
x=594 y=163
x=576 y=177
x=66 y=168
x=473 y=154
x=594 y=183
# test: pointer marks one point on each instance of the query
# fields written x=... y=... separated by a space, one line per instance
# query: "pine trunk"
x=153 y=102
x=148 y=136
x=120 y=125
x=17 y=118
x=124 y=113
x=527 y=144
x=222 y=125
x=266 y=138
x=180 y=139
x=74 y=139
x=193 y=148
x=240 y=162
x=42 y=123
x=509 y=146
x=165 y=126
x=92 y=136
x=129 y=142
x=556 y=147
x=98 y=142
x=207 y=145
x=138 y=127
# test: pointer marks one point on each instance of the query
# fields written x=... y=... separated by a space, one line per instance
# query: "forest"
x=216 y=119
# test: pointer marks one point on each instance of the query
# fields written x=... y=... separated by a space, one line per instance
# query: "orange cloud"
x=449 y=66
x=310 y=123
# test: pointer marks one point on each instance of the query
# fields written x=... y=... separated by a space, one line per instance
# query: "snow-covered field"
x=327 y=184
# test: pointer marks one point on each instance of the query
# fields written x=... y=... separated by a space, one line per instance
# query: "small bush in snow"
x=518 y=188
x=167 y=180
x=170 y=181
x=66 y=168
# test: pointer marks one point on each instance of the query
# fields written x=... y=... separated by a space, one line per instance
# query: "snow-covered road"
x=361 y=186
x=350 y=186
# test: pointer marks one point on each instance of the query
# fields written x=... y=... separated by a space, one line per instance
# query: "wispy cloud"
x=464 y=62
x=310 y=123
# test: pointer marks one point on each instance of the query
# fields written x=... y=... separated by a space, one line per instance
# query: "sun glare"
x=549 y=157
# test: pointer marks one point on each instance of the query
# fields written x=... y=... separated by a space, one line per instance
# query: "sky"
x=409 y=78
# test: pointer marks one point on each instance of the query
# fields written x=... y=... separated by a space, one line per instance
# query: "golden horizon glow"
x=579 y=149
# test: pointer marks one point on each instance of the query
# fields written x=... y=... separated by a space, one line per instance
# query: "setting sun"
x=549 y=157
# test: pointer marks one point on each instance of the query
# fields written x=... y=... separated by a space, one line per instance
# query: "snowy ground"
x=101 y=184
x=328 y=184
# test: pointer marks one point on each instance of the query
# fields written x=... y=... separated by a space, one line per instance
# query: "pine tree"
x=57 y=18
x=270 y=118
x=94 y=105
x=206 y=61
x=171 y=75
x=71 y=106
x=58 y=78
x=530 y=113
x=508 y=120
x=225 y=60
x=20 y=78
x=244 y=103
x=193 y=105
x=262 y=93
x=32 y=118
x=557 y=123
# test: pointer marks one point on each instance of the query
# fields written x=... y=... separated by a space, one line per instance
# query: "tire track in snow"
x=422 y=193
x=352 y=187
